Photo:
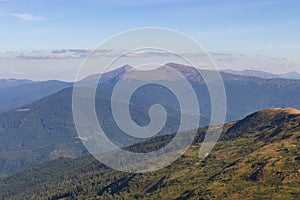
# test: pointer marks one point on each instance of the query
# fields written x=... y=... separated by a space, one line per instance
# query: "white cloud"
x=28 y=17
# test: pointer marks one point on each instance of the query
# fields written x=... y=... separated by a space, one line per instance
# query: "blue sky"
x=268 y=28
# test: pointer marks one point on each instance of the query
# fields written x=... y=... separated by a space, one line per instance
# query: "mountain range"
x=18 y=92
x=45 y=130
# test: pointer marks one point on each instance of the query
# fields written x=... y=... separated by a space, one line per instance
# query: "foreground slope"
x=257 y=157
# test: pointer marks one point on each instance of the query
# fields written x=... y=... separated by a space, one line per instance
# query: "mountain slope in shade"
x=257 y=158
x=26 y=92
x=38 y=132
x=262 y=74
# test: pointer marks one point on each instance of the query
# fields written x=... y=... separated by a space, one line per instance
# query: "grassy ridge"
x=257 y=158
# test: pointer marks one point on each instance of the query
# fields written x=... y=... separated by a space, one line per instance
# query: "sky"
x=49 y=39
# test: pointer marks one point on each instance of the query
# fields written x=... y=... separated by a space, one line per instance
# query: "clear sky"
x=266 y=32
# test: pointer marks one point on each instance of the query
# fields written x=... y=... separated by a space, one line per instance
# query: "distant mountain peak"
x=110 y=75
x=292 y=72
x=263 y=74
x=126 y=68
x=118 y=71
x=165 y=72
x=181 y=67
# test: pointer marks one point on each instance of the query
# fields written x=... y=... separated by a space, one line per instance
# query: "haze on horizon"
x=51 y=39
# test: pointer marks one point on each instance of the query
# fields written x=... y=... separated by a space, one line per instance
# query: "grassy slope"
x=258 y=158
